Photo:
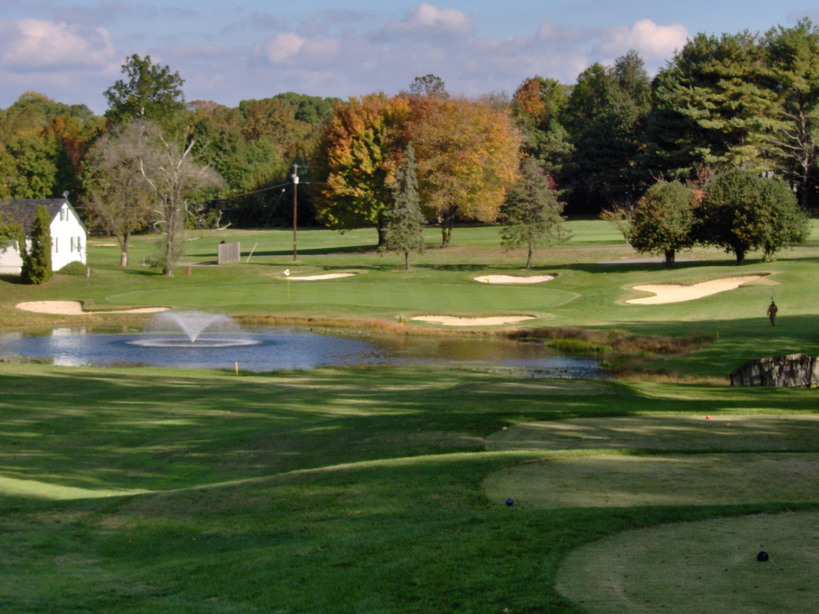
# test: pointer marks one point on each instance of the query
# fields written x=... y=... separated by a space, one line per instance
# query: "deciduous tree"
x=428 y=86
x=468 y=155
x=357 y=160
x=742 y=211
x=537 y=106
x=174 y=177
x=663 y=220
x=118 y=196
x=148 y=92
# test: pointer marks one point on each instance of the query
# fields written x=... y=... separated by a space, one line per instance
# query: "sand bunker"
x=677 y=293
x=514 y=279
x=74 y=308
x=462 y=321
x=320 y=277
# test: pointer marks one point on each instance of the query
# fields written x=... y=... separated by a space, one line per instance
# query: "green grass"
x=668 y=568
x=146 y=490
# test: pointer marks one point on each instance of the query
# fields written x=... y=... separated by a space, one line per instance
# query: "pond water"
x=272 y=349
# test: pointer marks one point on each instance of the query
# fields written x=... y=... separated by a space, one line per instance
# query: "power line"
x=272 y=187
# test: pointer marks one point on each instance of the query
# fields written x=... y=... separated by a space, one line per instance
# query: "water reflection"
x=288 y=349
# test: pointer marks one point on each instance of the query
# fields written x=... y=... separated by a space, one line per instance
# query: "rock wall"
x=791 y=371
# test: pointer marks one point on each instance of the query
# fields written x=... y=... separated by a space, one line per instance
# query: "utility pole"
x=295 y=211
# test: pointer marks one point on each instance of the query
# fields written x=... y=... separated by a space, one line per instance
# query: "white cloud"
x=654 y=42
x=283 y=48
x=39 y=45
x=331 y=55
x=291 y=49
x=426 y=20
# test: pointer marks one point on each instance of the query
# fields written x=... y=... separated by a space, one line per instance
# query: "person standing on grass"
x=772 y=309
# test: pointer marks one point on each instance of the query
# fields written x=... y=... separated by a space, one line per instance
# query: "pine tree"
x=404 y=222
x=37 y=259
x=532 y=213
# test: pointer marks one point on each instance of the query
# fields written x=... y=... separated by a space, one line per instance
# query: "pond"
x=273 y=349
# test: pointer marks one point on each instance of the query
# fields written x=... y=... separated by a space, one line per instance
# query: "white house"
x=68 y=233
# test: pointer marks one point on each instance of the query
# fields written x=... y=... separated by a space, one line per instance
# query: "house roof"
x=22 y=211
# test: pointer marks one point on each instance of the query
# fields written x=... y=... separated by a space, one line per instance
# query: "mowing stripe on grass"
x=622 y=480
x=44 y=490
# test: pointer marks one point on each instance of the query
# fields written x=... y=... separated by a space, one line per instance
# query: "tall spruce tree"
x=404 y=222
x=532 y=213
x=36 y=267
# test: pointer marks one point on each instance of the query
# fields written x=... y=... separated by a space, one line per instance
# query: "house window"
x=63 y=214
x=56 y=245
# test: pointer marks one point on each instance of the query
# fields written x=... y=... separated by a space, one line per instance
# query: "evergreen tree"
x=605 y=117
x=36 y=267
x=792 y=66
x=404 y=222
x=532 y=213
x=536 y=107
x=711 y=107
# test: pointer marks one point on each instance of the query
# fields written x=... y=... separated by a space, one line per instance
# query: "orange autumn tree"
x=468 y=154
x=357 y=160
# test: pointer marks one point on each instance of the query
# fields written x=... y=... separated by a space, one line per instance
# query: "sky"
x=227 y=51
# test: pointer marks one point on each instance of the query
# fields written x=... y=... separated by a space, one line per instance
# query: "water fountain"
x=189 y=329
x=204 y=340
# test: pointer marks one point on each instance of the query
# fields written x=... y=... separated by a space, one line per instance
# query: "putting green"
x=697 y=567
x=622 y=480
x=692 y=433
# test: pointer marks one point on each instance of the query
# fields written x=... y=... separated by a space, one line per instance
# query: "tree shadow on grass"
x=204 y=427
x=17 y=280
x=730 y=343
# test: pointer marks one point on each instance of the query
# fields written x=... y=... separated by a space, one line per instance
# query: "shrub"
x=74 y=268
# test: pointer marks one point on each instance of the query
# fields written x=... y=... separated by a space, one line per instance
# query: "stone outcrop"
x=791 y=371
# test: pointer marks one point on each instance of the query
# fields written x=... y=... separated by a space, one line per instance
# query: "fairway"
x=691 y=433
x=624 y=480
x=371 y=292
x=616 y=462
x=383 y=490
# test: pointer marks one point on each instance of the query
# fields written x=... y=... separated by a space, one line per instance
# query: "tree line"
x=735 y=101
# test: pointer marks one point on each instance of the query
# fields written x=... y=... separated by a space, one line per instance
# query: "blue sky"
x=227 y=51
